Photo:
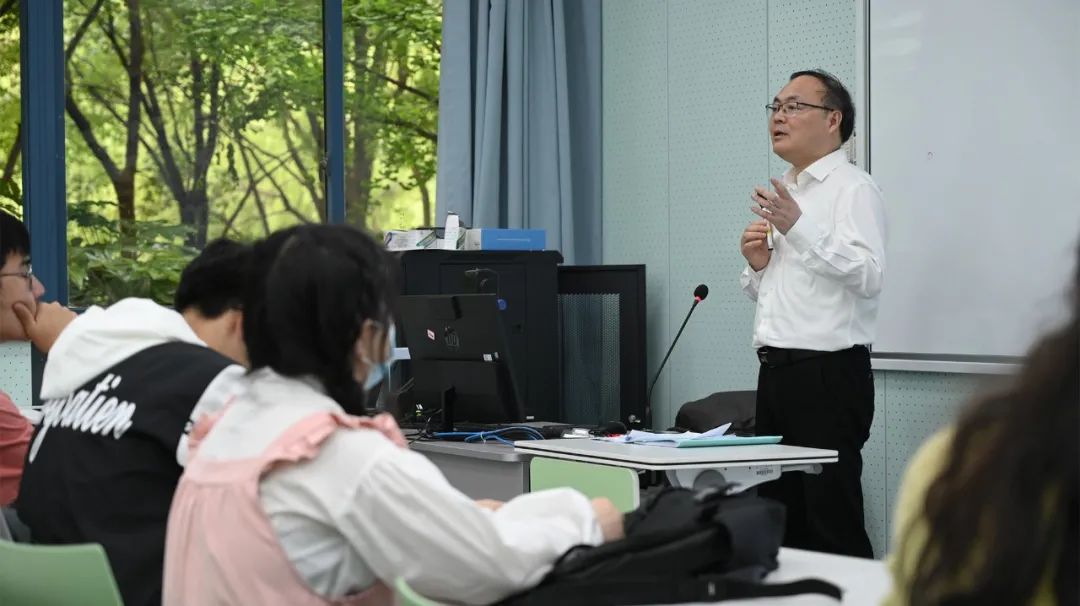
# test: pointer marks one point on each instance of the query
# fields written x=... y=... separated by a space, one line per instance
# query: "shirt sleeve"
x=852 y=251
x=15 y=432
x=221 y=390
x=407 y=521
x=751 y=281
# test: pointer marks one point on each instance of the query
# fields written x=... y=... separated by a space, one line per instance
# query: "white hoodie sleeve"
x=407 y=521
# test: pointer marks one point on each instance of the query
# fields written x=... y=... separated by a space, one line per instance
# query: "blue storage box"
x=505 y=239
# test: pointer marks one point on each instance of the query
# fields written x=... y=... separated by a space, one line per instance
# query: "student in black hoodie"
x=122 y=388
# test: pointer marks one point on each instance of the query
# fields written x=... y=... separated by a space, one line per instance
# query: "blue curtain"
x=520 y=119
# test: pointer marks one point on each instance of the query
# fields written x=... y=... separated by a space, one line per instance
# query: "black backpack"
x=736 y=407
x=680 y=546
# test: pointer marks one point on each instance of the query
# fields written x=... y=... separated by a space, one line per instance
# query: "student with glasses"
x=816 y=262
x=19 y=292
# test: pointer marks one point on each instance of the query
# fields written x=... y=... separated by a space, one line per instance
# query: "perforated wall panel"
x=717 y=152
x=809 y=34
x=635 y=114
x=15 y=379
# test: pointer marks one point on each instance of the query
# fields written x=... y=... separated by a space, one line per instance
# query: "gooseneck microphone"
x=700 y=293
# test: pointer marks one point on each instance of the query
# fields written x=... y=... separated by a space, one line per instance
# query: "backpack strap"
x=665 y=590
x=730 y=589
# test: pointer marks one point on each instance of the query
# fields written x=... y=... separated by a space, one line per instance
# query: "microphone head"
x=701 y=292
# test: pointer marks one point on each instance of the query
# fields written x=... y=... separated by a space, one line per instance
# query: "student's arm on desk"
x=407 y=521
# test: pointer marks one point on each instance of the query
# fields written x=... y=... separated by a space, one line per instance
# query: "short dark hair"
x=836 y=97
x=213 y=283
x=13 y=237
x=311 y=289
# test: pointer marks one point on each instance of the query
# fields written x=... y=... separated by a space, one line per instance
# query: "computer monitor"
x=528 y=282
x=459 y=358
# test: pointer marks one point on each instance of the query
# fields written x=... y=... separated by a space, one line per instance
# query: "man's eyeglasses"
x=27 y=274
x=790 y=108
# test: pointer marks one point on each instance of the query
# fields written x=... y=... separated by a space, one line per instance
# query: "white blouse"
x=365 y=509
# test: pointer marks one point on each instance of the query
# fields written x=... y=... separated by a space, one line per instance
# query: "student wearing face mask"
x=290 y=499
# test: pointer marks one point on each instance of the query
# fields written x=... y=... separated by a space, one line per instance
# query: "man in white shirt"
x=816 y=265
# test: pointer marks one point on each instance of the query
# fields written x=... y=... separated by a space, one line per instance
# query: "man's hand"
x=609 y=518
x=754 y=246
x=490 y=504
x=44 y=328
x=778 y=208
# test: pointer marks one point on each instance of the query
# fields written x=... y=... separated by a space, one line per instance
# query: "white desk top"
x=659 y=457
x=864 y=582
x=489 y=451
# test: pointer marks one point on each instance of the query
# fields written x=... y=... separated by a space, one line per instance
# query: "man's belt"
x=777 y=356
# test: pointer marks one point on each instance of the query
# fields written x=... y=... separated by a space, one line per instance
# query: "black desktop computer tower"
x=527 y=285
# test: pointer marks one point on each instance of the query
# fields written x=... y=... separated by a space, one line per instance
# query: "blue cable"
x=471 y=436
x=489 y=435
x=536 y=435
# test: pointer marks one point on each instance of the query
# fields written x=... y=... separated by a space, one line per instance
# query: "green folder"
x=730 y=441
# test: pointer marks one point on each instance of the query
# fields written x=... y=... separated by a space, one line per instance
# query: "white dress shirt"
x=820 y=289
x=365 y=509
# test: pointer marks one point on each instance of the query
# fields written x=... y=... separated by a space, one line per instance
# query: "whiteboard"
x=974 y=141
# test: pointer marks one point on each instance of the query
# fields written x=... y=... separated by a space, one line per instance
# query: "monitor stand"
x=467 y=391
x=447 y=401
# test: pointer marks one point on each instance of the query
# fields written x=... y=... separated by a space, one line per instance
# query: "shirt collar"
x=822 y=167
x=267 y=378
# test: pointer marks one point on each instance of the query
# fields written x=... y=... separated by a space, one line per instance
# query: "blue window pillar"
x=41 y=25
x=44 y=198
x=334 y=109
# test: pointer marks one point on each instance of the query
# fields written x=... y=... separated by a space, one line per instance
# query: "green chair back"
x=56 y=575
x=616 y=483
x=406 y=596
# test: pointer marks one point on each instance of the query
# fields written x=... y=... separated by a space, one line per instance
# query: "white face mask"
x=378 y=371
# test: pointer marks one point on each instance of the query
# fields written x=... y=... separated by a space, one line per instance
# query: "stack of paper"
x=669 y=439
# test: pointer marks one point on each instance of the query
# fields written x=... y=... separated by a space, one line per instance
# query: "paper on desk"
x=668 y=439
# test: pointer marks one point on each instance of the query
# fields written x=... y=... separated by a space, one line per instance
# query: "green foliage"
x=10 y=197
x=408 y=36
x=230 y=99
x=108 y=260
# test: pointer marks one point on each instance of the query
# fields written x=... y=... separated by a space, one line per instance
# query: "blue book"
x=505 y=239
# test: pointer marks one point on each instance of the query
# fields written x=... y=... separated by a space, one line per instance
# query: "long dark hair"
x=1004 y=511
x=311 y=289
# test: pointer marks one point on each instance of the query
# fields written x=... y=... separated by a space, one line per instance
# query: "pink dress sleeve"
x=15 y=432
